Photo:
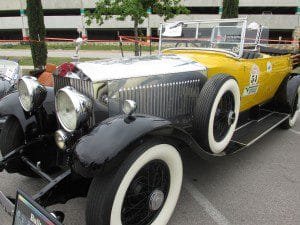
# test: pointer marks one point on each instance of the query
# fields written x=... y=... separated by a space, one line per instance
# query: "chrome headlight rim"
x=62 y=139
x=82 y=107
x=36 y=93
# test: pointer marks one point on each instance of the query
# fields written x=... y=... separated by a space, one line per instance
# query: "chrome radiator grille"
x=82 y=86
x=174 y=100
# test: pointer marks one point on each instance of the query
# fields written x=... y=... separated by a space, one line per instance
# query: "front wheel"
x=144 y=190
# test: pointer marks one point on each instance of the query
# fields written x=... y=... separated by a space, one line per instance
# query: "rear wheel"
x=12 y=137
x=216 y=112
x=295 y=112
x=143 y=191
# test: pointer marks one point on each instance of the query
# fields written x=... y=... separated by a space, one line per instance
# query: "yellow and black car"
x=112 y=130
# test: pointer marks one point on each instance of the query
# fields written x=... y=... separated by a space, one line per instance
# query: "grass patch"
x=27 y=61
x=89 y=47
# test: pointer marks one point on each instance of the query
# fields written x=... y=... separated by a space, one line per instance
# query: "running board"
x=254 y=130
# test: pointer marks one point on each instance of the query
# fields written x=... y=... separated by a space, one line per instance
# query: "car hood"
x=104 y=70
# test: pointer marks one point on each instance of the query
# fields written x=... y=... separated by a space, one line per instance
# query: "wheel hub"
x=231 y=117
x=156 y=200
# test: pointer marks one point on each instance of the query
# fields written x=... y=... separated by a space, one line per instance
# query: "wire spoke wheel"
x=224 y=116
x=146 y=194
x=144 y=190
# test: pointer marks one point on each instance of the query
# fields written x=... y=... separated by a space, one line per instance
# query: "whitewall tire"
x=120 y=191
x=295 y=115
x=217 y=112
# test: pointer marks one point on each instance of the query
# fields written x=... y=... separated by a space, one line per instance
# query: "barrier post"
x=149 y=32
x=121 y=44
x=82 y=13
x=220 y=3
x=23 y=15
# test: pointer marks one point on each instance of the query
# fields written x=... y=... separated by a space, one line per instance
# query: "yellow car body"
x=258 y=79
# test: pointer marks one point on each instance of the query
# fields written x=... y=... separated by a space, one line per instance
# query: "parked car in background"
x=113 y=129
x=10 y=72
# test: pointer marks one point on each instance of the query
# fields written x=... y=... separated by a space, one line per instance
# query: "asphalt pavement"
x=258 y=186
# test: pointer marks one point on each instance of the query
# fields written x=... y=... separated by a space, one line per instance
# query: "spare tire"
x=216 y=113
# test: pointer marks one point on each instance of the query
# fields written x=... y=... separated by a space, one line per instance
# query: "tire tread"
x=204 y=106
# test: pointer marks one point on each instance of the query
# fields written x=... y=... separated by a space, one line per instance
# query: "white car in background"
x=10 y=72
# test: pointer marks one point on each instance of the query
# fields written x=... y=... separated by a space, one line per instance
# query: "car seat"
x=251 y=55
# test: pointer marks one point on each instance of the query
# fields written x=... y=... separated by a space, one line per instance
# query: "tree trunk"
x=136 y=37
x=230 y=9
x=37 y=32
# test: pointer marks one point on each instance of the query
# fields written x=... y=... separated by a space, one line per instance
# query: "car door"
x=264 y=77
x=257 y=77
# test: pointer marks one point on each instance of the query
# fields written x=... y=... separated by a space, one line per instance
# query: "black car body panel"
x=11 y=106
x=96 y=151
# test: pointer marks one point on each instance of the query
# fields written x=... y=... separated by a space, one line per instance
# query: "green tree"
x=37 y=32
x=230 y=9
x=136 y=10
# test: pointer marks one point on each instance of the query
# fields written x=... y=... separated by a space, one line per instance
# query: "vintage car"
x=10 y=72
x=113 y=130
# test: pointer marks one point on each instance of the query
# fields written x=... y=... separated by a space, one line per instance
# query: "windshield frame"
x=243 y=22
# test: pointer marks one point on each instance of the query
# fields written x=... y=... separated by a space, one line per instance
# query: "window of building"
x=11 y=35
x=61 y=12
x=267 y=10
x=10 y=13
x=62 y=33
x=203 y=10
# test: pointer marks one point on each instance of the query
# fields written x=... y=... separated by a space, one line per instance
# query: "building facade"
x=64 y=17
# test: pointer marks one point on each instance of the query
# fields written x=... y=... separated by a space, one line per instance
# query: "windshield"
x=224 y=35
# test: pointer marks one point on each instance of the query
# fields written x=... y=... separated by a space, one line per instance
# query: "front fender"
x=105 y=147
x=11 y=106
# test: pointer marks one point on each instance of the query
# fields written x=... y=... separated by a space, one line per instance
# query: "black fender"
x=287 y=93
x=11 y=106
x=109 y=143
x=105 y=146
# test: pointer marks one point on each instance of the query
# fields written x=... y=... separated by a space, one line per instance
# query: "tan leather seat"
x=46 y=78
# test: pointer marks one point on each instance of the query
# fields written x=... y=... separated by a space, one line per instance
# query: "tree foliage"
x=37 y=32
x=230 y=9
x=136 y=10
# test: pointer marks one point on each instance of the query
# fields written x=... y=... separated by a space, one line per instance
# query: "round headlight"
x=72 y=108
x=31 y=93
